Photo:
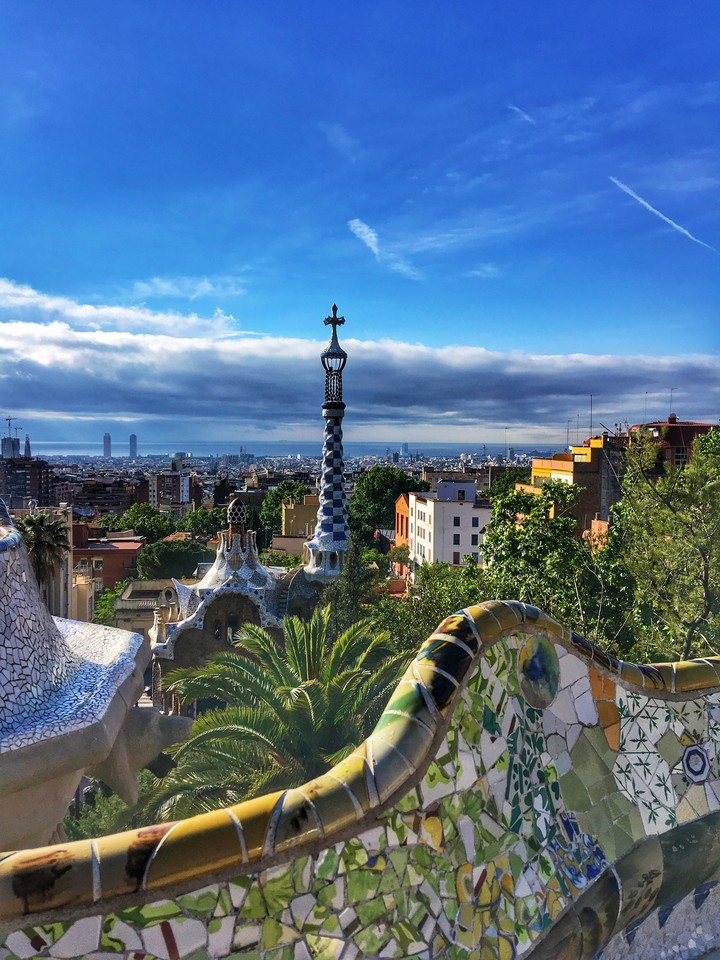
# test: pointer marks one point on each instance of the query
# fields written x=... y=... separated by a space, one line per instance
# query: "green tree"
x=273 y=558
x=349 y=593
x=170 y=558
x=203 y=523
x=669 y=527
x=147 y=522
x=271 y=510
x=381 y=560
x=46 y=541
x=105 y=604
x=291 y=712
x=505 y=481
x=437 y=591
x=102 y=812
x=532 y=553
x=110 y=521
x=372 y=505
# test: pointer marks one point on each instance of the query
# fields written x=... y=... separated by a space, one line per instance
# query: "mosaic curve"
x=523 y=794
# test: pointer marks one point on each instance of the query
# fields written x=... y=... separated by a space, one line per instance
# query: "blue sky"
x=515 y=206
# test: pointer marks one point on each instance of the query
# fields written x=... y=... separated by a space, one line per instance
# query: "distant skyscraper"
x=107 y=448
x=28 y=453
x=133 y=446
x=404 y=449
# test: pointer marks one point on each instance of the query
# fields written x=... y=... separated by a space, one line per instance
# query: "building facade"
x=447 y=526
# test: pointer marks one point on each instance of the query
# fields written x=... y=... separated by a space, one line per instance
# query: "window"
x=681 y=457
x=474 y=539
x=456 y=539
x=456 y=557
x=456 y=521
x=97 y=564
x=475 y=556
x=476 y=521
x=429 y=536
x=461 y=494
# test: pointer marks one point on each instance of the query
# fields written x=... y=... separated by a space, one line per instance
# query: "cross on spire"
x=335 y=320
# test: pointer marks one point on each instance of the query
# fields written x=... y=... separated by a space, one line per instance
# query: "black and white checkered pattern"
x=332 y=511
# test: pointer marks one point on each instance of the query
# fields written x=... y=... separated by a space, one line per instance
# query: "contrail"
x=521 y=113
x=644 y=203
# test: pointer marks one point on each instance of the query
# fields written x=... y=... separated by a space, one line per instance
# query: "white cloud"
x=391 y=259
x=365 y=233
x=484 y=271
x=521 y=113
x=340 y=140
x=188 y=288
x=24 y=300
x=58 y=371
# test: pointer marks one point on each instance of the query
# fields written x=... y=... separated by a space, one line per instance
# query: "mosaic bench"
x=523 y=794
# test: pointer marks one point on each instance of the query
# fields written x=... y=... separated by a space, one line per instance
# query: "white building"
x=448 y=525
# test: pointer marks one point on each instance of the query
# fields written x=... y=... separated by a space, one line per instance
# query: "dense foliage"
x=271 y=510
x=438 y=591
x=291 y=711
x=46 y=541
x=668 y=527
x=533 y=553
x=372 y=505
x=105 y=604
x=171 y=558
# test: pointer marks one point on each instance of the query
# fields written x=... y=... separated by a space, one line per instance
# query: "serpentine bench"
x=523 y=794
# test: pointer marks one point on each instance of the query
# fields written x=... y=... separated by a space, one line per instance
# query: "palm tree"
x=46 y=541
x=290 y=713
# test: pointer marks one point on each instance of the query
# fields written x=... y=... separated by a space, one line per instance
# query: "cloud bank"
x=67 y=366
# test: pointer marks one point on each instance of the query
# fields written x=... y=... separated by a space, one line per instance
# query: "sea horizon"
x=276 y=448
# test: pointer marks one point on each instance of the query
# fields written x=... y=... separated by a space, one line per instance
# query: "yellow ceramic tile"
x=488 y=626
x=298 y=822
x=608 y=713
x=335 y=806
x=203 y=844
x=254 y=817
x=390 y=772
x=667 y=672
x=596 y=683
x=507 y=616
x=46 y=878
x=694 y=675
x=630 y=673
x=354 y=773
x=123 y=858
x=612 y=735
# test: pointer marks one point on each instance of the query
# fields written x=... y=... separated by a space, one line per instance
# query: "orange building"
x=595 y=467
x=402 y=528
x=107 y=559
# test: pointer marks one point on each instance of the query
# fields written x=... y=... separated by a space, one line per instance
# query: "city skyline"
x=514 y=209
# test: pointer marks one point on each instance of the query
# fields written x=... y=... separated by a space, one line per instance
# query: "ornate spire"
x=325 y=553
x=333 y=359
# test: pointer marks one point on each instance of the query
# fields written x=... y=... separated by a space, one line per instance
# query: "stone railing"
x=522 y=794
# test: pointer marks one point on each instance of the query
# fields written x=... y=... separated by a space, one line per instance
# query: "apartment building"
x=445 y=526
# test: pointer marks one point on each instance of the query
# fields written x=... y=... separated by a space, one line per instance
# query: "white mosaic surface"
x=686 y=931
x=55 y=675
